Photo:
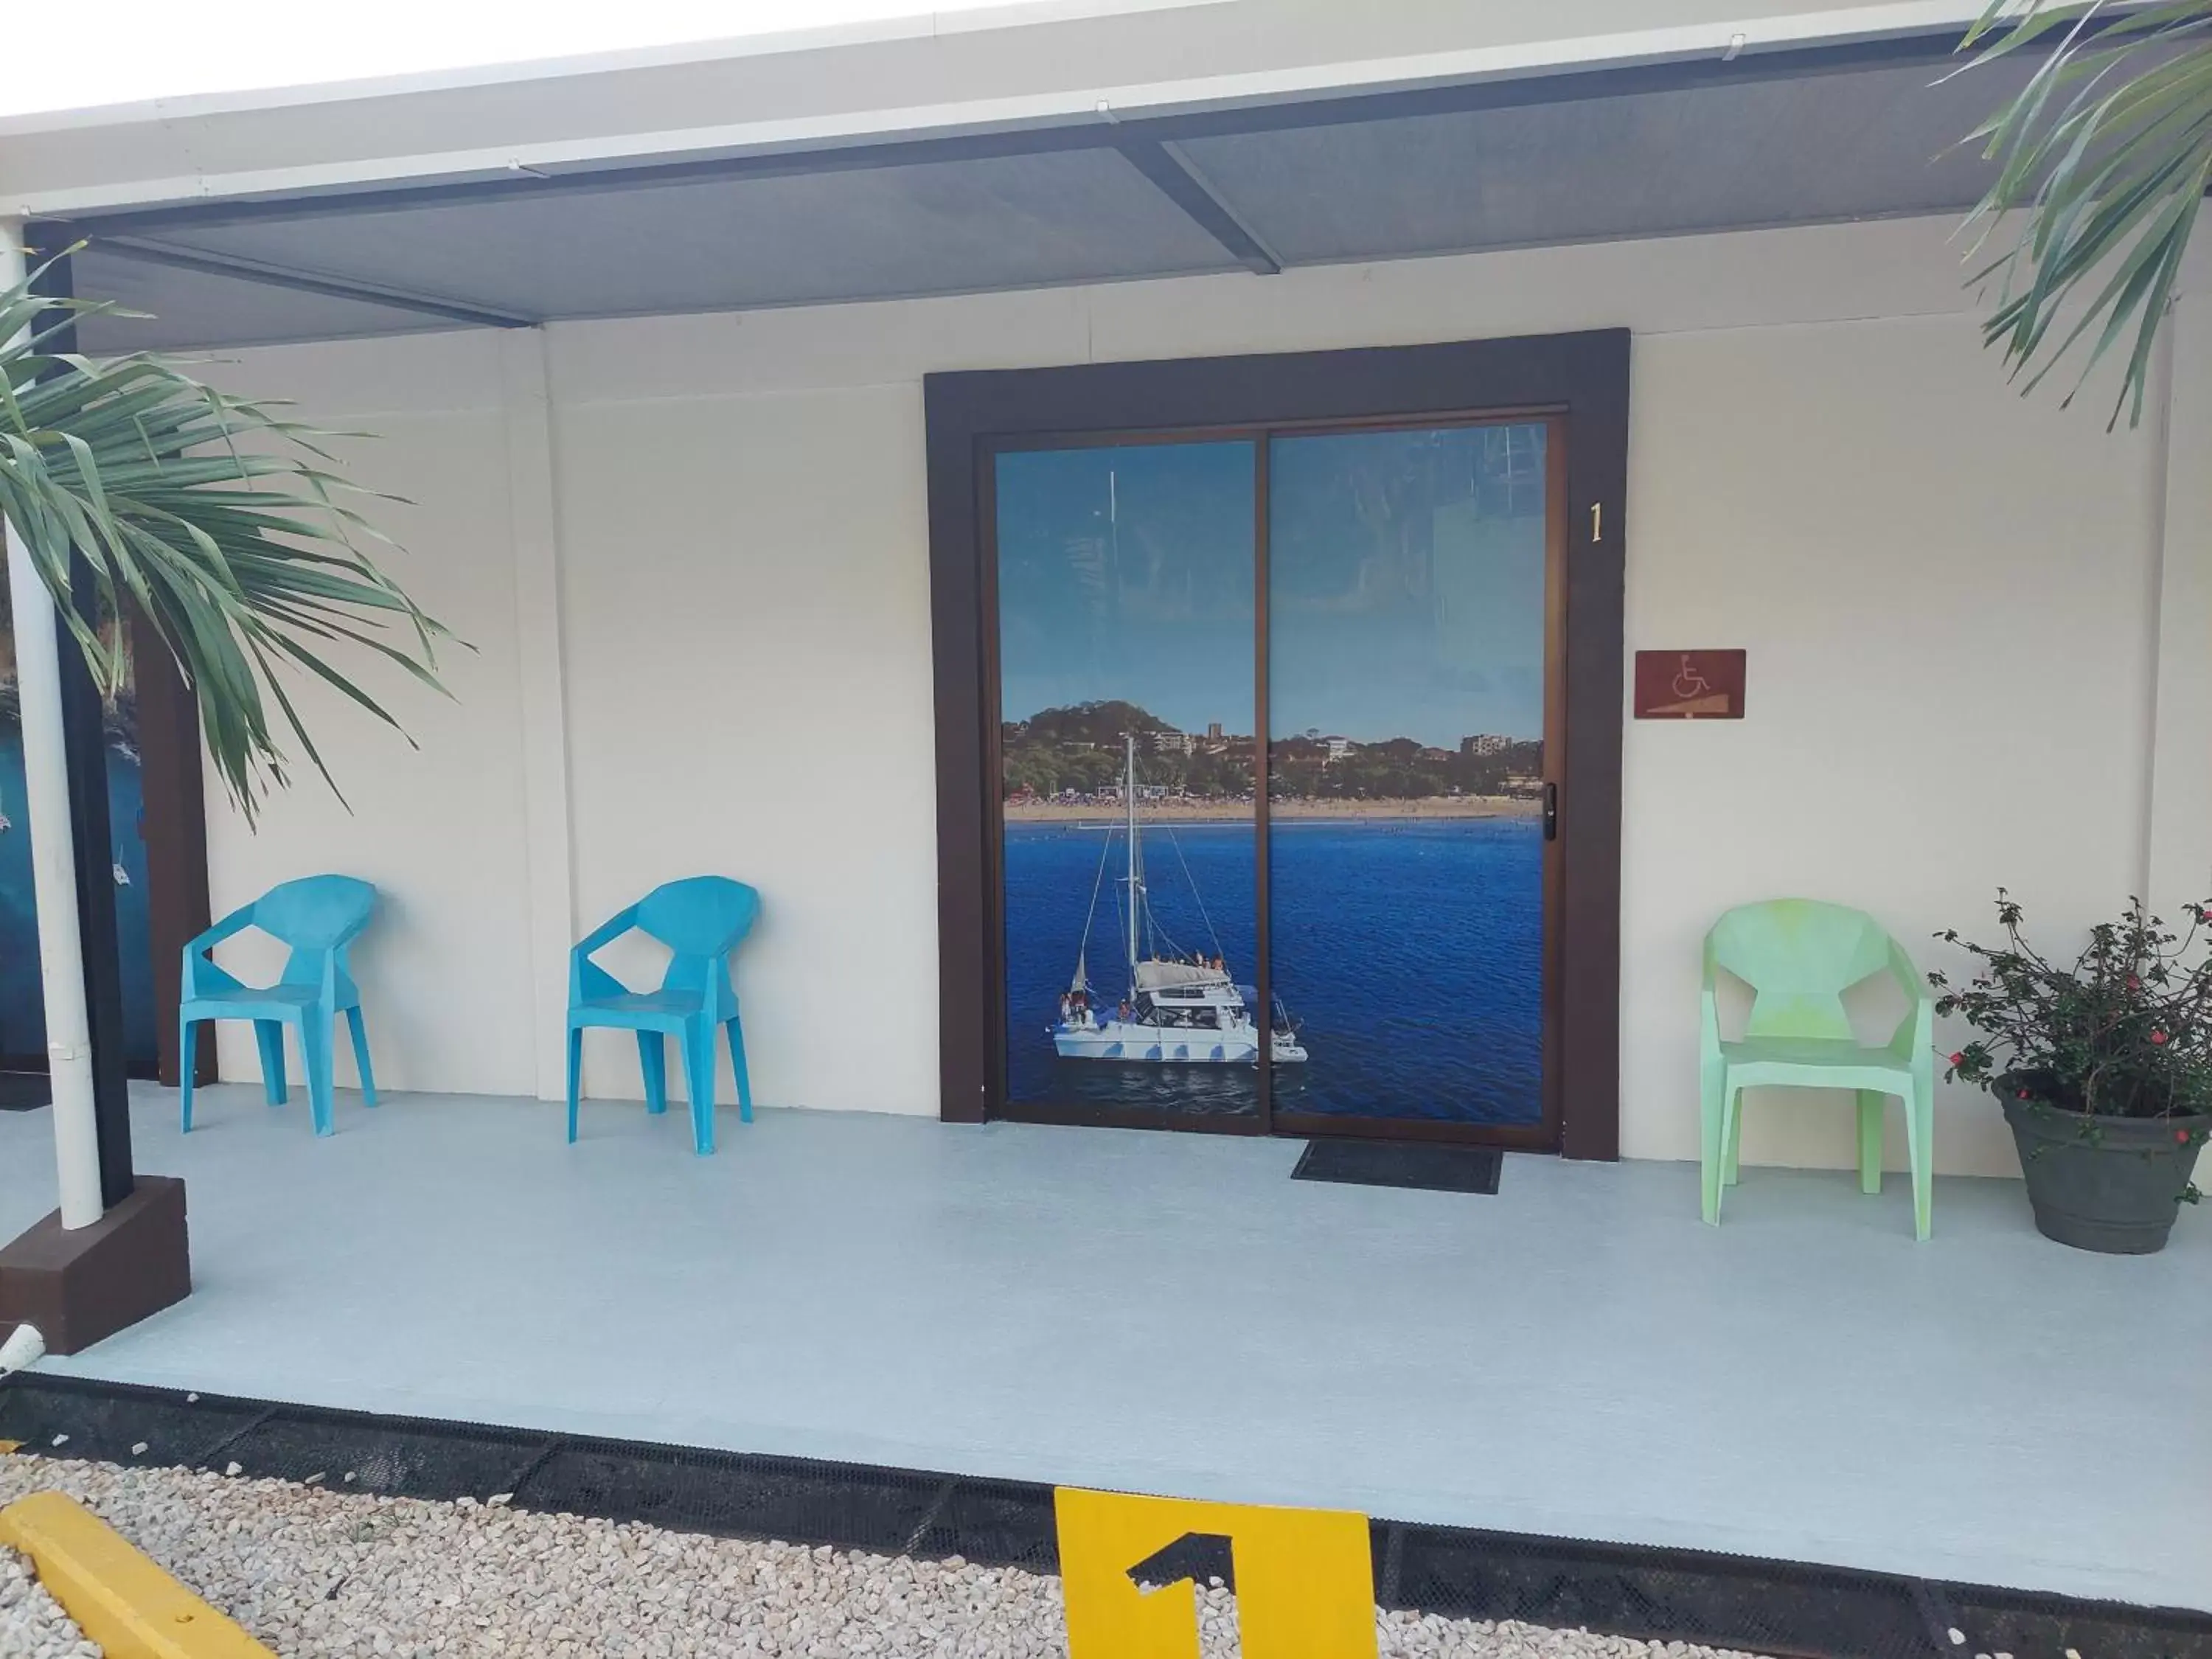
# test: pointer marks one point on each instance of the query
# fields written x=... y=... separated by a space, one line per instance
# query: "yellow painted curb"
x=118 y=1597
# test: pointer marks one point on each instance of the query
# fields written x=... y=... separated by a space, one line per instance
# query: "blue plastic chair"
x=319 y=917
x=701 y=920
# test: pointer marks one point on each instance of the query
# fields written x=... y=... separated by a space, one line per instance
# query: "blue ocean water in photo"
x=23 y=1004
x=1409 y=952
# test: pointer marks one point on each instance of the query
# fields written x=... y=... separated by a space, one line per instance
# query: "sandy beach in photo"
x=1349 y=811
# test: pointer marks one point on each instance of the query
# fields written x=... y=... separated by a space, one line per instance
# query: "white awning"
x=1073 y=141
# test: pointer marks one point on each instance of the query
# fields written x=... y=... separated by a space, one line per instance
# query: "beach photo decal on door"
x=1126 y=577
x=22 y=1002
x=1406 y=661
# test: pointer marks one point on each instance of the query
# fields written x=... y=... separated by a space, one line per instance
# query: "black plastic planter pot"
x=2105 y=1183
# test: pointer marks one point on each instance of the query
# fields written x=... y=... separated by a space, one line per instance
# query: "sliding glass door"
x=1407 y=574
x=1126 y=681
x=1368 y=616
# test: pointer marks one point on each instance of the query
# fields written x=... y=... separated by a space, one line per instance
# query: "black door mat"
x=1777 y=1607
x=25 y=1092
x=1395 y=1164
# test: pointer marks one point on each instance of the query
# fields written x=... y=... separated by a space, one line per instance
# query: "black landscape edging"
x=1769 y=1607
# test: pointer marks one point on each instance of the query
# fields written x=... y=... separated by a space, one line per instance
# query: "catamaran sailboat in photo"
x=1177 y=1008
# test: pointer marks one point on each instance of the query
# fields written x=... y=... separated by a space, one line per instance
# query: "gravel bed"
x=32 y=1624
x=311 y=1571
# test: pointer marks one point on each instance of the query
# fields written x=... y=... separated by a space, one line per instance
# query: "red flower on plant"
x=2134 y=984
x=1959 y=1059
x=2182 y=1135
x=2023 y=1094
x=2158 y=1039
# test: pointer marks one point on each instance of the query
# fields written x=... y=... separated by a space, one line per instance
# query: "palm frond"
x=2105 y=156
x=221 y=518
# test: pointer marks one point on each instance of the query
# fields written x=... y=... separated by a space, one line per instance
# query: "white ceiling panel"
x=718 y=243
x=1812 y=149
x=189 y=309
x=1413 y=175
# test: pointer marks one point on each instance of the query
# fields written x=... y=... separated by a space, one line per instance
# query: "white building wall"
x=1947 y=595
x=1946 y=598
x=439 y=829
x=749 y=663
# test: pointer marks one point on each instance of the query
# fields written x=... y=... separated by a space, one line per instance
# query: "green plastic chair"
x=1799 y=956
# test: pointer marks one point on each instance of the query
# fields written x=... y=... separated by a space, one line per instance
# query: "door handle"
x=1551 y=811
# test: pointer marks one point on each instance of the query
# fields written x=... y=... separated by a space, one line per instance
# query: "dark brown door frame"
x=171 y=784
x=1582 y=376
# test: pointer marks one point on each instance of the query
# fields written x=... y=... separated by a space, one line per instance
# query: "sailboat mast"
x=1129 y=800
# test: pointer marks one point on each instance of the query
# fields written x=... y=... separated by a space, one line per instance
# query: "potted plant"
x=2104 y=1067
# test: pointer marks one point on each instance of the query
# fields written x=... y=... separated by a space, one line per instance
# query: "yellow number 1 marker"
x=1306 y=1582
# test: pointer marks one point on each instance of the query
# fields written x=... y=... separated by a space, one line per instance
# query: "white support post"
x=2178 y=850
x=535 y=518
x=53 y=857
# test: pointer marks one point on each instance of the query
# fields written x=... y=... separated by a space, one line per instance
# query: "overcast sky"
x=59 y=56
x=1126 y=574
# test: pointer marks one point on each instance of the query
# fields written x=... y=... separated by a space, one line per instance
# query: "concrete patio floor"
x=1576 y=1355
